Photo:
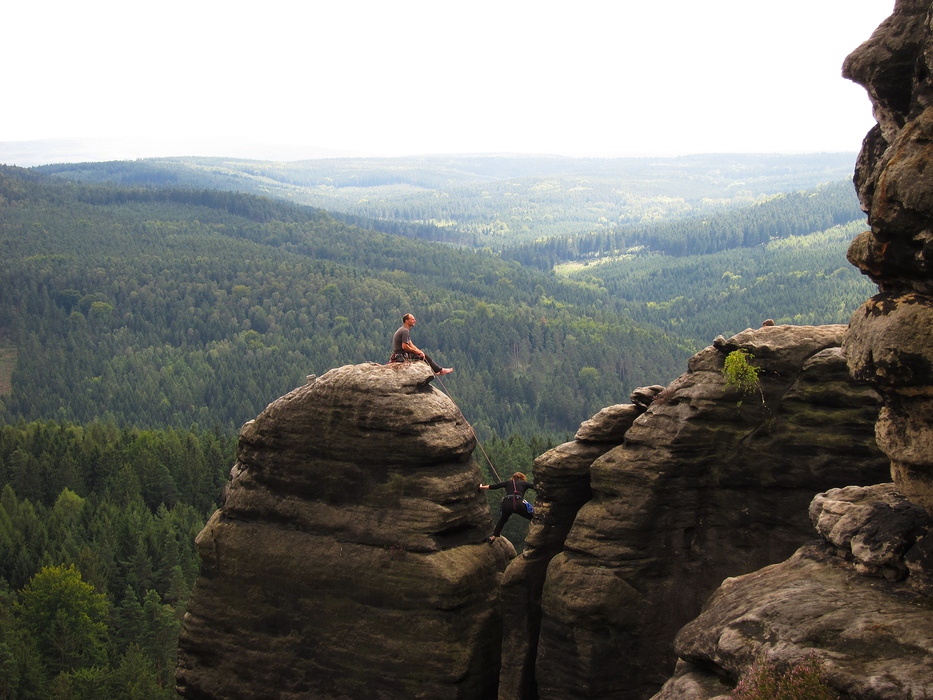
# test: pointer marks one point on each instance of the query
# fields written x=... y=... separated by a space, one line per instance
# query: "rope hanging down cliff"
x=476 y=437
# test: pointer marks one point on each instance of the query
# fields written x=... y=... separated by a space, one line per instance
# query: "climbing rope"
x=479 y=444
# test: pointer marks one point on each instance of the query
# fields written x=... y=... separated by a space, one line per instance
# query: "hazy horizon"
x=366 y=79
x=29 y=154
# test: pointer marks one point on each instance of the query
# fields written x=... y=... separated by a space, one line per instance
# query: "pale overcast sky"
x=594 y=78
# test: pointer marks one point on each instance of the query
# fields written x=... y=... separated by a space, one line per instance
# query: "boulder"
x=349 y=558
x=610 y=424
x=847 y=599
x=872 y=527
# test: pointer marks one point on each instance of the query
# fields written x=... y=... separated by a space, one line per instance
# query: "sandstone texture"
x=849 y=598
x=349 y=557
x=562 y=480
x=873 y=527
x=890 y=342
x=706 y=484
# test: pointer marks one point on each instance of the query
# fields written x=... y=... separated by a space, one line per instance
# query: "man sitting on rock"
x=403 y=350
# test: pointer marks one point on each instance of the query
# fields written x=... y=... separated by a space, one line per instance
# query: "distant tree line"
x=793 y=214
x=492 y=202
x=800 y=280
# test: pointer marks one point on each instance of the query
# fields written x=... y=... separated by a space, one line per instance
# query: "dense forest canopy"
x=162 y=308
x=149 y=308
x=173 y=307
x=97 y=530
x=791 y=214
x=799 y=280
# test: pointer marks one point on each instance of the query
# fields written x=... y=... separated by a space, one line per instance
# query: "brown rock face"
x=348 y=559
x=890 y=342
x=873 y=527
x=850 y=599
x=702 y=488
x=562 y=482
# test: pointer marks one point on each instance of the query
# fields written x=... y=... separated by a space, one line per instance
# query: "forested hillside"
x=800 y=280
x=791 y=214
x=163 y=307
x=158 y=308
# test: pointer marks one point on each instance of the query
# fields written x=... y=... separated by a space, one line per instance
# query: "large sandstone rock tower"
x=349 y=557
x=890 y=341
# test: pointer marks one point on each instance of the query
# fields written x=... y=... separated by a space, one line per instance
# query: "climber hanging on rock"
x=403 y=350
x=513 y=501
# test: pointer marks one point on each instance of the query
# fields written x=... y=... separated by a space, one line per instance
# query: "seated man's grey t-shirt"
x=402 y=335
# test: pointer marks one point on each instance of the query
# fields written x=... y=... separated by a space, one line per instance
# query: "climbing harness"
x=515 y=495
x=479 y=444
x=518 y=501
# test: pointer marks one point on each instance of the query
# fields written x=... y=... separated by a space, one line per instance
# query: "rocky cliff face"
x=562 y=479
x=860 y=597
x=349 y=557
x=706 y=484
x=890 y=342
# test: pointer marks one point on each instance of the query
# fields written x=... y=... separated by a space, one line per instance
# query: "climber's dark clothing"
x=513 y=501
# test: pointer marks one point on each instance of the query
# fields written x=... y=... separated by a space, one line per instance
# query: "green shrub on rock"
x=742 y=375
